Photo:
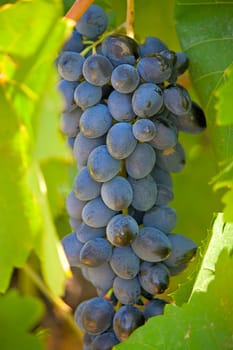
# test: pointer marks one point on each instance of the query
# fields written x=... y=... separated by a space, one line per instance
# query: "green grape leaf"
x=17 y=317
x=54 y=264
x=205 y=32
x=18 y=213
x=27 y=53
x=205 y=322
x=224 y=96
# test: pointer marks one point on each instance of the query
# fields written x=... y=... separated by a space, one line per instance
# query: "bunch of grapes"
x=122 y=115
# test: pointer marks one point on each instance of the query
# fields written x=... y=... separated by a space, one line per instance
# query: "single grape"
x=97 y=315
x=83 y=147
x=95 y=252
x=78 y=313
x=101 y=165
x=165 y=137
x=87 y=95
x=105 y=341
x=155 y=69
x=154 y=308
x=161 y=176
x=181 y=63
x=177 y=99
x=75 y=224
x=117 y=193
x=101 y=277
x=74 y=43
x=147 y=100
x=122 y=230
x=67 y=88
x=125 y=262
x=69 y=65
x=85 y=187
x=88 y=340
x=95 y=121
x=96 y=214
x=120 y=140
x=152 y=245
x=120 y=49
x=193 y=122
x=141 y=161
x=74 y=206
x=171 y=159
x=97 y=70
x=144 y=130
x=152 y=46
x=126 y=320
x=154 y=278
x=125 y=78
x=127 y=291
x=136 y=214
x=70 y=142
x=69 y=123
x=120 y=106
x=164 y=195
x=183 y=250
x=85 y=233
x=72 y=247
x=163 y=218
x=144 y=193
x=93 y=22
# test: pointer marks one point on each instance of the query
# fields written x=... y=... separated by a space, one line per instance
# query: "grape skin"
x=147 y=100
x=117 y=193
x=126 y=320
x=120 y=140
x=127 y=291
x=69 y=65
x=120 y=106
x=67 y=88
x=97 y=315
x=144 y=130
x=69 y=123
x=97 y=70
x=72 y=247
x=152 y=245
x=144 y=193
x=85 y=187
x=101 y=277
x=96 y=214
x=83 y=147
x=93 y=22
x=125 y=78
x=164 y=218
x=125 y=262
x=141 y=161
x=154 y=278
x=74 y=206
x=101 y=165
x=95 y=121
x=85 y=233
x=121 y=230
x=95 y=252
x=87 y=95
x=154 y=69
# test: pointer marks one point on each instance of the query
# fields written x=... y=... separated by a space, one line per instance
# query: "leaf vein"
x=207 y=41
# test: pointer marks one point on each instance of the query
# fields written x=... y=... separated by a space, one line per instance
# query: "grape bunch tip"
x=122 y=114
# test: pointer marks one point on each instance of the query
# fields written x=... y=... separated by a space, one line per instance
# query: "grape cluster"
x=123 y=110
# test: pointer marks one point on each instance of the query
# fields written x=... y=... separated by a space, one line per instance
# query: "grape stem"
x=78 y=9
x=130 y=19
